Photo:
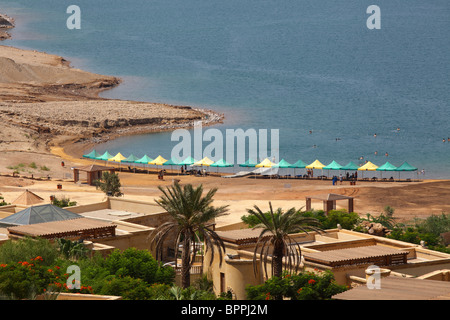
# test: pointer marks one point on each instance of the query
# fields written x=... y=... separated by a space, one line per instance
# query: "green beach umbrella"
x=350 y=166
x=92 y=155
x=131 y=159
x=145 y=160
x=172 y=162
x=105 y=157
x=283 y=164
x=248 y=163
x=386 y=167
x=405 y=167
x=333 y=166
x=299 y=164
x=188 y=161
x=221 y=164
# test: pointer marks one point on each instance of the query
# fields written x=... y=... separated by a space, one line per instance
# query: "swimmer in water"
x=375 y=135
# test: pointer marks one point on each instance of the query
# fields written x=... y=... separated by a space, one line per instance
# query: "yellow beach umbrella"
x=204 y=162
x=315 y=165
x=159 y=161
x=266 y=163
x=118 y=158
x=369 y=166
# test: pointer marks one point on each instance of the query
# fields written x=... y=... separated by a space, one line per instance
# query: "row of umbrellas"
x=266 y=163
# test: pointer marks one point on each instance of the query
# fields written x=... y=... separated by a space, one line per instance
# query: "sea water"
x=334 y=88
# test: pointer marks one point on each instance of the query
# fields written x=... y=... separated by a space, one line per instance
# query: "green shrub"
x=318 y=285
x=13 y=251
x=63 y=202
x=347 y=220
x=138 y=264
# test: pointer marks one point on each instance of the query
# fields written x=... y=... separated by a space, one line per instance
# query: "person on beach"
x=334 y=180
x=341 y=178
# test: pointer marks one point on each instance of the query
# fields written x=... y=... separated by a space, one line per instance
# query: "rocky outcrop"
x=5 y=24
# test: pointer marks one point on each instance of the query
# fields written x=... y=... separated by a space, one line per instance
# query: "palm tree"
x=276 y=229
x=192 y=215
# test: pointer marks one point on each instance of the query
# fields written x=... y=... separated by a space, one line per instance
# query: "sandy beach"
x=51 y=113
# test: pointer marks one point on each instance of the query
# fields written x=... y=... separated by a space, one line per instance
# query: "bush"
x=318 y=285
x=347 y=220
x=26 y=279
x=63 y=203
x=138 y=264
x=13 y=251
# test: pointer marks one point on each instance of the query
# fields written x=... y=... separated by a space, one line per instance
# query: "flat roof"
x=399 y=288
x=329 y=197
x=110 y=214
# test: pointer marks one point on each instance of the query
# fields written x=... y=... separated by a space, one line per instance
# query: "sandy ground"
x=409 y=199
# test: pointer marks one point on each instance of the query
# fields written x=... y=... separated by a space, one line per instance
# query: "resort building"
x=347 y=254
x=118 y=223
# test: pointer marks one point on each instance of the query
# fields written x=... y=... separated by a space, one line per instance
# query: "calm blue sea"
x=293 y=65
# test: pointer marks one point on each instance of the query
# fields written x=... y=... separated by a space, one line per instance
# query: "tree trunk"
x=277 y=260
x=185 y=265
x=277 y=264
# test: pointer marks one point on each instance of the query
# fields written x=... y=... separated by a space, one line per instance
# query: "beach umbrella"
x=369 y=166
x=299 y=164
x=188 y=161
x=350 y=166
x=144 y=160
x=92 y=155
x=248 y=163
x=405 y=167
x=118 y=158
x=105 y=157
x=386 y=167
x=131 y=159
x=204 y=162
x=221 y=164
x=283 y=164
x=159 y=161
x=172 y=162
x=315 y=165
x=266 y=163
x=333 y=166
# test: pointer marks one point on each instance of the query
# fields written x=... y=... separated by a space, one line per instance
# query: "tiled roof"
x=358 y=255
x=398 y=288
x=82 y=227
x=240 y=236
